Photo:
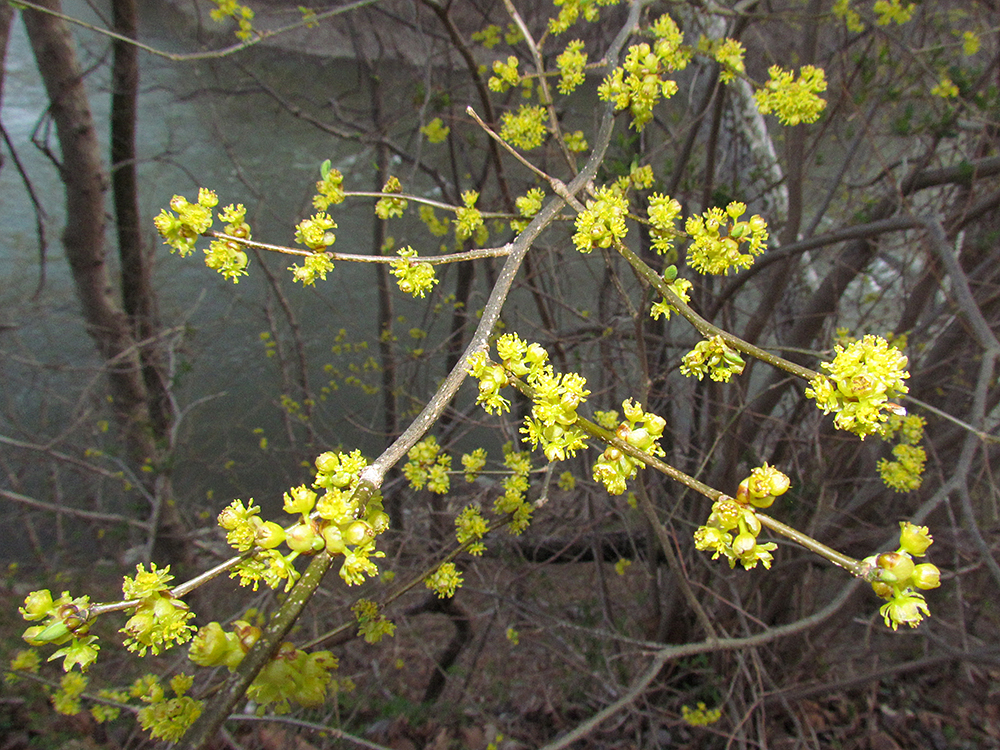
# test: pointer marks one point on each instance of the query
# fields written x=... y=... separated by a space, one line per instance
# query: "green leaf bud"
x=54 y=632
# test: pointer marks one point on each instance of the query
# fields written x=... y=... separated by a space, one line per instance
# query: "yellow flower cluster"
x=793 y=100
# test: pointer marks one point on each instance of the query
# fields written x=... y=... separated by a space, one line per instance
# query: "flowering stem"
x=484 y=252
x=234 y=688
x=705 y=328
x=409 y=585
x=546 y=97
x=854 y=567
x=177 y=591
x=425 y=201
x=595 y=430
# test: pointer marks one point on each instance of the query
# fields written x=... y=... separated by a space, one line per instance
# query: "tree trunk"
x=142 y=415
x=86 y=182
x=138 y=299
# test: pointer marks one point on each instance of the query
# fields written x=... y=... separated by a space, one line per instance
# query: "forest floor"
x=525 y=676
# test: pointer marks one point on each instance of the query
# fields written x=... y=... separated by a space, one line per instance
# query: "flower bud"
x=882 y=590
x=357 y=533
x=914 y=539
x=74 y=617
x=379 y=521
x=302 y=538
x=896 y=567
x=334 y=539
x=655 y=424
x=37 y=605
x=779 y=482
x=269 y=535
x=639 y=438
x=743 y=543
x=926 y=576
x=327 y=462
x=246 y=634
x=210 y=646
x=743 y=492
x=725 y=514
x=762 y=502
x=750 y=523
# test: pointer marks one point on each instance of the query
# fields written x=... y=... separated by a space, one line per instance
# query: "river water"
x=200 y=124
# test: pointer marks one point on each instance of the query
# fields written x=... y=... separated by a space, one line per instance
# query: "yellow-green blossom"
x=468 y=219
x=571 y=10
x=893 y=11
x=242 y=14
x=602 y=221
x=182 y=230
x=793 y=100
x=526 y=129
x=528 y=205
x=316 y=265
x=505 y=74
x=906 y=472
x=860 y=381
x=445 y=580
x=414 y=277
x=372 y=624
x=712 y=357
x=720 y=246
x=473 y=463
x=945 y=88
x=388 y=207
x=700 y=716
x=436 y=131
x=852 y=19
x=728 y=53
x=438 y=227
x=428 y=466
x=329 y=190
x=970 y=43
x=315 y=233
x=571 y=64
x=470 y=525
x=639 y=83
x=489 y=37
